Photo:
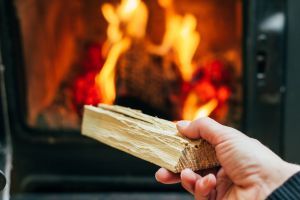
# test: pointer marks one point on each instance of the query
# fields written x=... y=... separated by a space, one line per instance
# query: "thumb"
x=205 y=128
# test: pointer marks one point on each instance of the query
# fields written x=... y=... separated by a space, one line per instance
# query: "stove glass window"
x=172 y=59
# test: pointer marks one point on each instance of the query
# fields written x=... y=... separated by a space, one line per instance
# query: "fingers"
x=189 y=179
x=205 y=186
x=201 y=187
x=205 y=128
x=167 y=177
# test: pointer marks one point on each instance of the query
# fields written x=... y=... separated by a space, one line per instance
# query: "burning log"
x=149 y=138
x=153 y=79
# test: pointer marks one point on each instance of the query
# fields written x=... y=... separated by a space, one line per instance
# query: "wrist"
x=276 y=177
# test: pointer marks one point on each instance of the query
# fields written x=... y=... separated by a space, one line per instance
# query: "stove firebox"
x=177 y=60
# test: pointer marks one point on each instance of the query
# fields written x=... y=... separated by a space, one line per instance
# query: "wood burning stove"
x=232 y=60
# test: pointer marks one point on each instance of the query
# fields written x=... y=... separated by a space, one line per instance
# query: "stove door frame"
x=264 y=61
x=291 y=127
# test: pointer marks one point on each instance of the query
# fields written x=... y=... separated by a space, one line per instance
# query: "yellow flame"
x=190 y=106
x=106 y=78
x=125 y=21
x=129 y=18
x=137 y=24
x=127 y=8
x=114 y=33
x=186 y=45
x=192 y=110
x=181 y=36
x=206 y=109
x=166 y=3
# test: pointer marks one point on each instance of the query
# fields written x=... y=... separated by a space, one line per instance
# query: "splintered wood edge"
x=197 y=157
x=137 y=114
x=196 y=154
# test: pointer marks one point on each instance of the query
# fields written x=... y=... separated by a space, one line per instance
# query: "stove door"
x=264 y=86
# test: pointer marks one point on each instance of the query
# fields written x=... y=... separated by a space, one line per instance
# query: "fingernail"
x=205 y=181
x=188 y=173
x=187 y=170
x=158 y=172
x=205 y=188
x=183 y=123
x=208 y=179
x=156 y=177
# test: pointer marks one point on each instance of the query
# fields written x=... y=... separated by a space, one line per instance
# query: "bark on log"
x=143 y=75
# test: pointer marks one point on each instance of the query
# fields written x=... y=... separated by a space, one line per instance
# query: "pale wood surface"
x=149 y=138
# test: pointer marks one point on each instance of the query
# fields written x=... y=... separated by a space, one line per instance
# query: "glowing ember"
x=84 y=87
x=86 y=91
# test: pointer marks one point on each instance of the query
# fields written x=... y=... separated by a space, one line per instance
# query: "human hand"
x=249 y=170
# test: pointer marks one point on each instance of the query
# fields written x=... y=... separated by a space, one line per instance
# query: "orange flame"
x=182 y=37
x=192 y=109
x=126 y=21
x=186 y=44
x=105 y=79
x=206 y=109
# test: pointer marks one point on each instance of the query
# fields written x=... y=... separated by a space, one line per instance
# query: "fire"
x=127 y=22
x=182 y=37
x=105 y=79
x=186 y=44
x=206 y=109
x=192 y=109
x=127 y=8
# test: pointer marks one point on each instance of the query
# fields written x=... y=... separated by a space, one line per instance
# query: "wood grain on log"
x=149 y=138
